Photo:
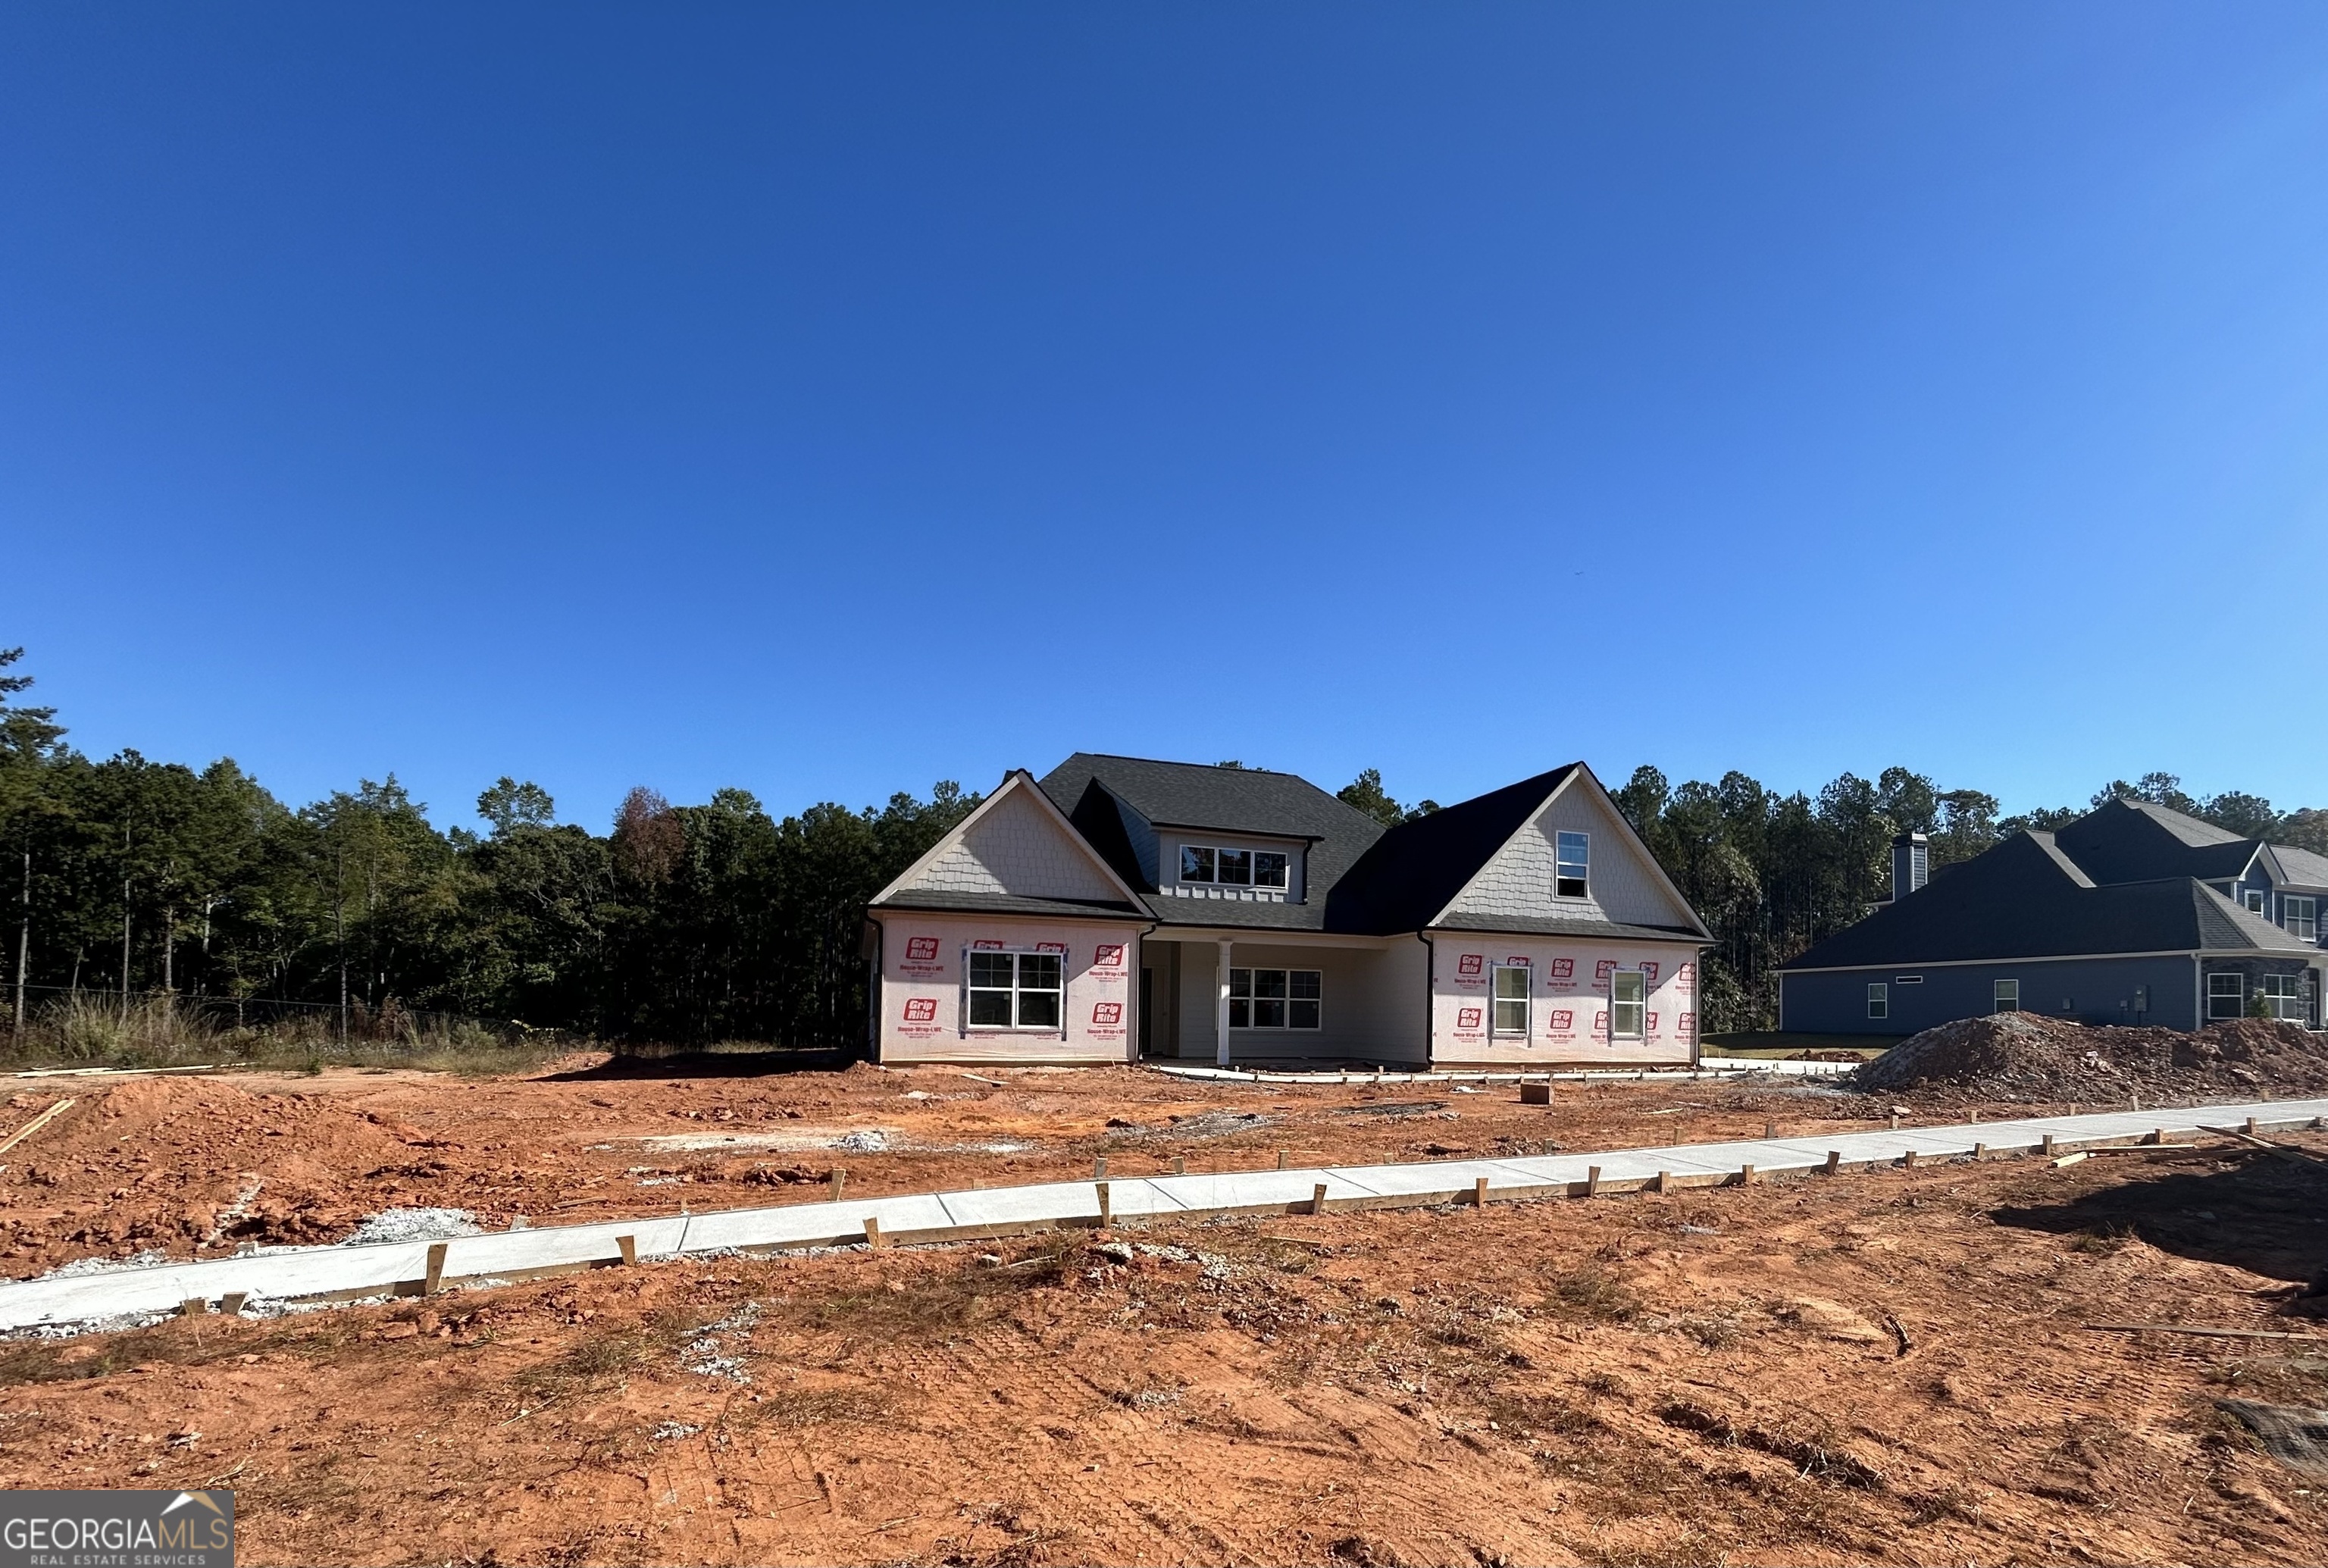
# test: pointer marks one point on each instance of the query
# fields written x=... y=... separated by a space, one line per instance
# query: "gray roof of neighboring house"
x=2301 y=866
x=2123 y=841
x=2025 y=898
x=1229 y=800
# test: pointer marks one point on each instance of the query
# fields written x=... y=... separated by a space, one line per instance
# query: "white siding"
x=1624 y=888
x=1016 y=848
x=1377 y=1002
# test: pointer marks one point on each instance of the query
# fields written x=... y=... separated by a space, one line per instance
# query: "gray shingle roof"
x=2123 y=841
x=2020 y=900
x=1414 y=870
x=1254 y=801
x=2302 y=867
x=1011 y=904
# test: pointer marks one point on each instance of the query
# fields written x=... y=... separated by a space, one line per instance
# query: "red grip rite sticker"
x=920 y=949
x=1469 y=963
x=1564 y=968
x=1109 y=956
x=921 y=1009
x=1107 y=1013
x=1562 y=1018
x=1467 y=1018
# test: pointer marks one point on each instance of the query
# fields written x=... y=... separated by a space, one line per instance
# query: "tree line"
x=696 y=923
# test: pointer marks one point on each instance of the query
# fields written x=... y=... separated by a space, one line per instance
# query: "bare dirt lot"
x=197 y=1166
x=1892 y=1366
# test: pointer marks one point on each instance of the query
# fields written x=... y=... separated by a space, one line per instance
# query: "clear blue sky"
x=830 y=401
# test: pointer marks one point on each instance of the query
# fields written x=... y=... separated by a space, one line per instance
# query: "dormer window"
x=1572 y=875
x=1234 y=867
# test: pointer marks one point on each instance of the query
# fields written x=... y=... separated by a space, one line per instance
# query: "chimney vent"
x=1911 y=864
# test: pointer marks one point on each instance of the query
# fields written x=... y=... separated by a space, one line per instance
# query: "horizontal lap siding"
x=922 y=959
x=1568 y=993
x=1835 y=1003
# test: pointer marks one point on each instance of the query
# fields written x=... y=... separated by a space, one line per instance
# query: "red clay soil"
x=2017 y=1057
x=1889 y=1367
x=196 y=1166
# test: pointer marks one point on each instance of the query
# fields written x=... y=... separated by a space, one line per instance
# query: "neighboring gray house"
x=2131 y=915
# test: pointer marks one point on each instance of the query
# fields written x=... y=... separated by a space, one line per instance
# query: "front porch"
x=1283 y=996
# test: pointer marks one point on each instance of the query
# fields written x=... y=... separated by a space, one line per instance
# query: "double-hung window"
x=2005 y=997
x=1572 y=873
x=2281 y=996
x=1275 y=998
x=2227 y=995
x=2255 y=902
x=1628 y=994
x=2300 y=915
x=1512 y=1000
x=1014 y=990
x=1879 y=1000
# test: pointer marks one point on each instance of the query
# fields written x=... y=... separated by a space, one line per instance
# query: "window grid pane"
x=1195 y=864
x=1572 y=873
x=1234 y=866
x=1267 y=869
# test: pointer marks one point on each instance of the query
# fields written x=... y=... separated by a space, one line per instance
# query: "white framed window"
x=2227 y=995
x=1629 y=1000
x=1276 y=999
x=2005 y=997
x=2301 y=915
x=1235 y=868
x=1879 y=1000
x=1571 y=872
x=1511 y=999
x=1014 y=990
x=2255 y=902
x=2281 y=995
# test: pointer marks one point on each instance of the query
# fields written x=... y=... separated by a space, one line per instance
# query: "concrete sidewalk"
x=404 y=1268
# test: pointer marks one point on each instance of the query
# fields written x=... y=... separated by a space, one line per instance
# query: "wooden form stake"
x=1479 y=1193
x=2251 y=1128
x=1834 y=1160
x=35 y=1124
x=1980 y=1151
x=1908 y=1161
x=2049 y=1145
x=193 y=1306
x=1179 y=1165
x=1591 y=1181
x=1281 y=1159
x=231 y=1302
x=1099 y=1168
x=629 y=1248
x=840 y=1183
x=1106 y=1208
x=1317 y=1198
x=1659 y=1185
x=1745 y=1176
x=434 y=1281
x=873 y=1234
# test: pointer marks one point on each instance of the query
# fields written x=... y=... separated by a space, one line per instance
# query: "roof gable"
x=1625 y=886
x=1486 y=863
x=1016 y=845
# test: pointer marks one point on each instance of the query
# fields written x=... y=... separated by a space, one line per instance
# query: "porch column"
x=1221 y=1010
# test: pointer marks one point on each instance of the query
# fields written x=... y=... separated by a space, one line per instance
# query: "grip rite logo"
x=1107 y=1013
x=1469 y=963
x=1563 y=969
x=920 y=949
x=921 y=1009
x=1109 y=956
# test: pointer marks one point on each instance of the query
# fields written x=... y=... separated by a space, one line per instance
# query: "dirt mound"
x=2028 y=1057
x=187 y=1165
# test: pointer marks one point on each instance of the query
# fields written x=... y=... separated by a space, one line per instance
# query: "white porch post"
x=1221 y=1010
